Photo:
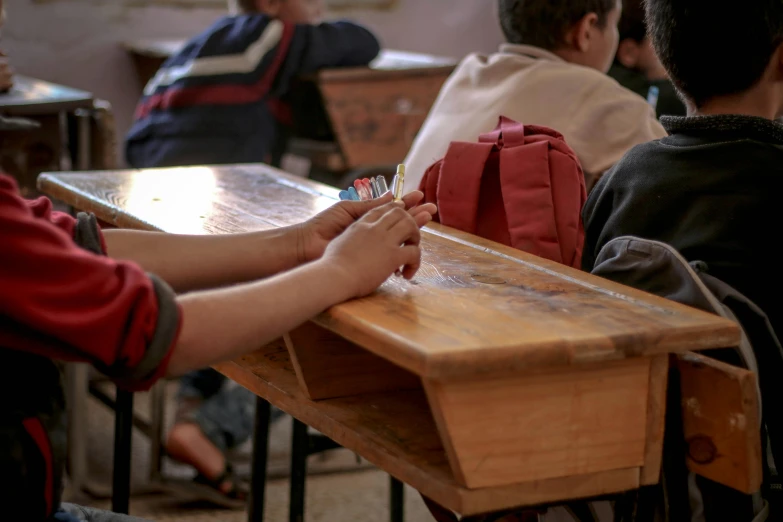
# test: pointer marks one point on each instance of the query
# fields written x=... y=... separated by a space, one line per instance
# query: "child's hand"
x=6 y=74
x=316 y=233
x=375 y=247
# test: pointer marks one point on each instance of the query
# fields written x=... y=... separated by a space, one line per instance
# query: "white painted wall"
x=76 y=42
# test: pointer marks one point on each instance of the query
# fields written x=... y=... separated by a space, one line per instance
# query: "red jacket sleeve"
x=62 y=301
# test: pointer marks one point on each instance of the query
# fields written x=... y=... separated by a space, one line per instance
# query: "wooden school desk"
x=374 y=112
x=493 y=380
x=49 y=103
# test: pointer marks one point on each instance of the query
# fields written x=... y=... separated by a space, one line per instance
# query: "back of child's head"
x=635 y=51
x=242 y=6
x=632 y=24
x=544 y=23
x=292 y=11
x=711 y=49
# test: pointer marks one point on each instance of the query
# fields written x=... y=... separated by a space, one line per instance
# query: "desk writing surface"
x=155 y=48
x=391 y=63
x=30 y=96
x=390 y=59
x=475 y=307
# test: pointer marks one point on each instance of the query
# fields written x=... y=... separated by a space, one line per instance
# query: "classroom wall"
x=76 y=42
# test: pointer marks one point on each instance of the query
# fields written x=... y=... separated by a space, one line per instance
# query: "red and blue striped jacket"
x=219 y=99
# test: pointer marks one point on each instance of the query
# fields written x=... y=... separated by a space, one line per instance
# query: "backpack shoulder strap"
x=460 y=183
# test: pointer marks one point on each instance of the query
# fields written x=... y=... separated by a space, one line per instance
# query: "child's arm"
x=330 y=44
x=62 y=302
x=224 y=324
x=198 y=262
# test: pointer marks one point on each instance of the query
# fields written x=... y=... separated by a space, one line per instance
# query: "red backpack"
x=521 y=185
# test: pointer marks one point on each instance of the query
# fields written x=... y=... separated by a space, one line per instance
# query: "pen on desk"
x=399 y=181
x=368 y=187
x=362 y=190
x=357 y=186
x=382 y=187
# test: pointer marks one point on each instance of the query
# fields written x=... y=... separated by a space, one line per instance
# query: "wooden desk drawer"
x=376 y=121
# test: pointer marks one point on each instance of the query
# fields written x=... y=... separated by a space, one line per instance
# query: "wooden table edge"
x=406 y=355
x=365 y=74
x=84 y=100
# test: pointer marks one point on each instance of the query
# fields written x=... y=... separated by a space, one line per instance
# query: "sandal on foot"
x=212 y=489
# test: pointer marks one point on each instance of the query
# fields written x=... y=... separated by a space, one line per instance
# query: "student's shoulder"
x=641 y=162
x=608 y=90
x=511 y=64
x=229 y=34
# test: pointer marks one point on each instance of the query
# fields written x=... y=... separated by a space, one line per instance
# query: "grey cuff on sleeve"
x=165 y=331
x=164 y=336
x=87 y=233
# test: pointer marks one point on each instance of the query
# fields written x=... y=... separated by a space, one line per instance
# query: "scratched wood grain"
x=475 y=308
x=396 y=432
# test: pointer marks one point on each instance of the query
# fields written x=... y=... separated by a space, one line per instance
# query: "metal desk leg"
x=123 y=431
x=396 y=500
x=299 y=451
x=84 y=119
x=255 y=508
x=76 y=382
x=157 y=399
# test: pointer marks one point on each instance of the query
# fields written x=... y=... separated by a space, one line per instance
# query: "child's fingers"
x=411 y=199
x=358 y=209
x=379 y=213
x=393 y=215
x=429 y=208
x=410 y=260
x=422 y=219
x=405 y=231
x=423 y=214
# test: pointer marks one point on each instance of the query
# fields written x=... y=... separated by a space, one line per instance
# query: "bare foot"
x=187 y=443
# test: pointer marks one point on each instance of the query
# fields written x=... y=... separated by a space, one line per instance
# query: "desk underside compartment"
x=475 y=445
